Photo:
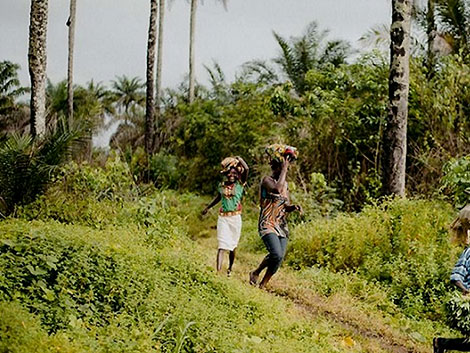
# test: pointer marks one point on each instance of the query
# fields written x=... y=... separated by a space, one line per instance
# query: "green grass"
x=136 y=274
x=110 y=289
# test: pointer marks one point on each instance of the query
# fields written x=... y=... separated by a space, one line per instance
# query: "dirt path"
x=368 y=329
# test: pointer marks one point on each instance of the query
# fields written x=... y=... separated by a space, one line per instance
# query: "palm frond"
x=377 y=36
x=287 y=58
x=258 y=71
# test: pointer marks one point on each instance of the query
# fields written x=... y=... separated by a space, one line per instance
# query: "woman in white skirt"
x=229 y=224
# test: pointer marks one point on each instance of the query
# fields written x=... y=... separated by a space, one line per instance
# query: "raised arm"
x=244 y=174
x=277 y=186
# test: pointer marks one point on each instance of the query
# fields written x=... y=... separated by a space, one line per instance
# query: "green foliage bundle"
x=458 y=313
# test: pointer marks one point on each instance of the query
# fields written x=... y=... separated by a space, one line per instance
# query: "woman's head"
x=276 y=165
x=232 y=175
x=461 y=226
x=231 y=168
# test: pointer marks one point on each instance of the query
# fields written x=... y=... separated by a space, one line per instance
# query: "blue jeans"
x=276 y=247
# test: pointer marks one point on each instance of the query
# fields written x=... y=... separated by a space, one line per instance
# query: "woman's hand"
x=286 y=162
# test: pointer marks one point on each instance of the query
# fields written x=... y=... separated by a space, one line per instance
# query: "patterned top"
x=231 y=196
x=461 y=271
x=272 y=217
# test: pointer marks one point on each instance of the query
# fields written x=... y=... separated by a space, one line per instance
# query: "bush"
x=402 y=245
x=27 y=166
x=458 y=313
x=21 y=331
x=61 y=280
x=165 y=170
x=456 y=180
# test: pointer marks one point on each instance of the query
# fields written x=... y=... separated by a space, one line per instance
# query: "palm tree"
x=299 y=55
x=71 y=25
x=453 y=17
x=10 y=88
x=192 y=34
x=394 y=159
x=37 y=59
x=128 y=94
x=161 y=18
x=446 y=24
x=13 y=116
x=150 y=89
x=92 y=104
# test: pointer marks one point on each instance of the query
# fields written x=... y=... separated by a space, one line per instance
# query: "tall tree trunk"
x=71 y=25
x=37 y=62
x=192 y=32
x=158 y=94
x=431 y=31
x=395 y=133
x=161 y=18
x=150 y=92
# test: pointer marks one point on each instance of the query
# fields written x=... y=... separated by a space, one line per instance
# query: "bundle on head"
x=229 y=163
x=277 y=152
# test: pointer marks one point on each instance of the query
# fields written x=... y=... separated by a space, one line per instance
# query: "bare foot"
x=253 y=278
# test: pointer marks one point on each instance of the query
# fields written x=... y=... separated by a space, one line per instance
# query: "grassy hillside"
x=98 y=265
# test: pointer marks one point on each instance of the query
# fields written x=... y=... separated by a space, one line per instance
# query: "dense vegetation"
x=336 y=119
x=100 y=263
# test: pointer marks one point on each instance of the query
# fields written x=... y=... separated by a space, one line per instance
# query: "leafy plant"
x=456 y=180
x=27 y=166
x=458 y=313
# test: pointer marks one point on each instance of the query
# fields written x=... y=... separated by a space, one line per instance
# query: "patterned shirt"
x=461 y=271
x=272 y=217
x=231 y=196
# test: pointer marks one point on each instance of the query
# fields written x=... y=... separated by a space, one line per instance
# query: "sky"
x=111 y=35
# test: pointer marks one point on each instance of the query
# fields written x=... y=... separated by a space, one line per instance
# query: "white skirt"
x=229 y=229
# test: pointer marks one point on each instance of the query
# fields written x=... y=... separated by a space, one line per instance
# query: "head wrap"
x=230 y=162
x=277 y=151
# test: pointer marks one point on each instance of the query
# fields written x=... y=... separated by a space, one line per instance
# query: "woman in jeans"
x=274 y=204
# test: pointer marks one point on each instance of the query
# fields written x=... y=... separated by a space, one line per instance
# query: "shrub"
x=458 y=313
x=456 y=180
x=165 y=170
x=27 y=166
x=61 y=280
x=402 y=245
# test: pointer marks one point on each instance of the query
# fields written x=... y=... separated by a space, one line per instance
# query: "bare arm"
x=460 y=285
x=277 y=186
x=214 y=202
x=244 y=176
